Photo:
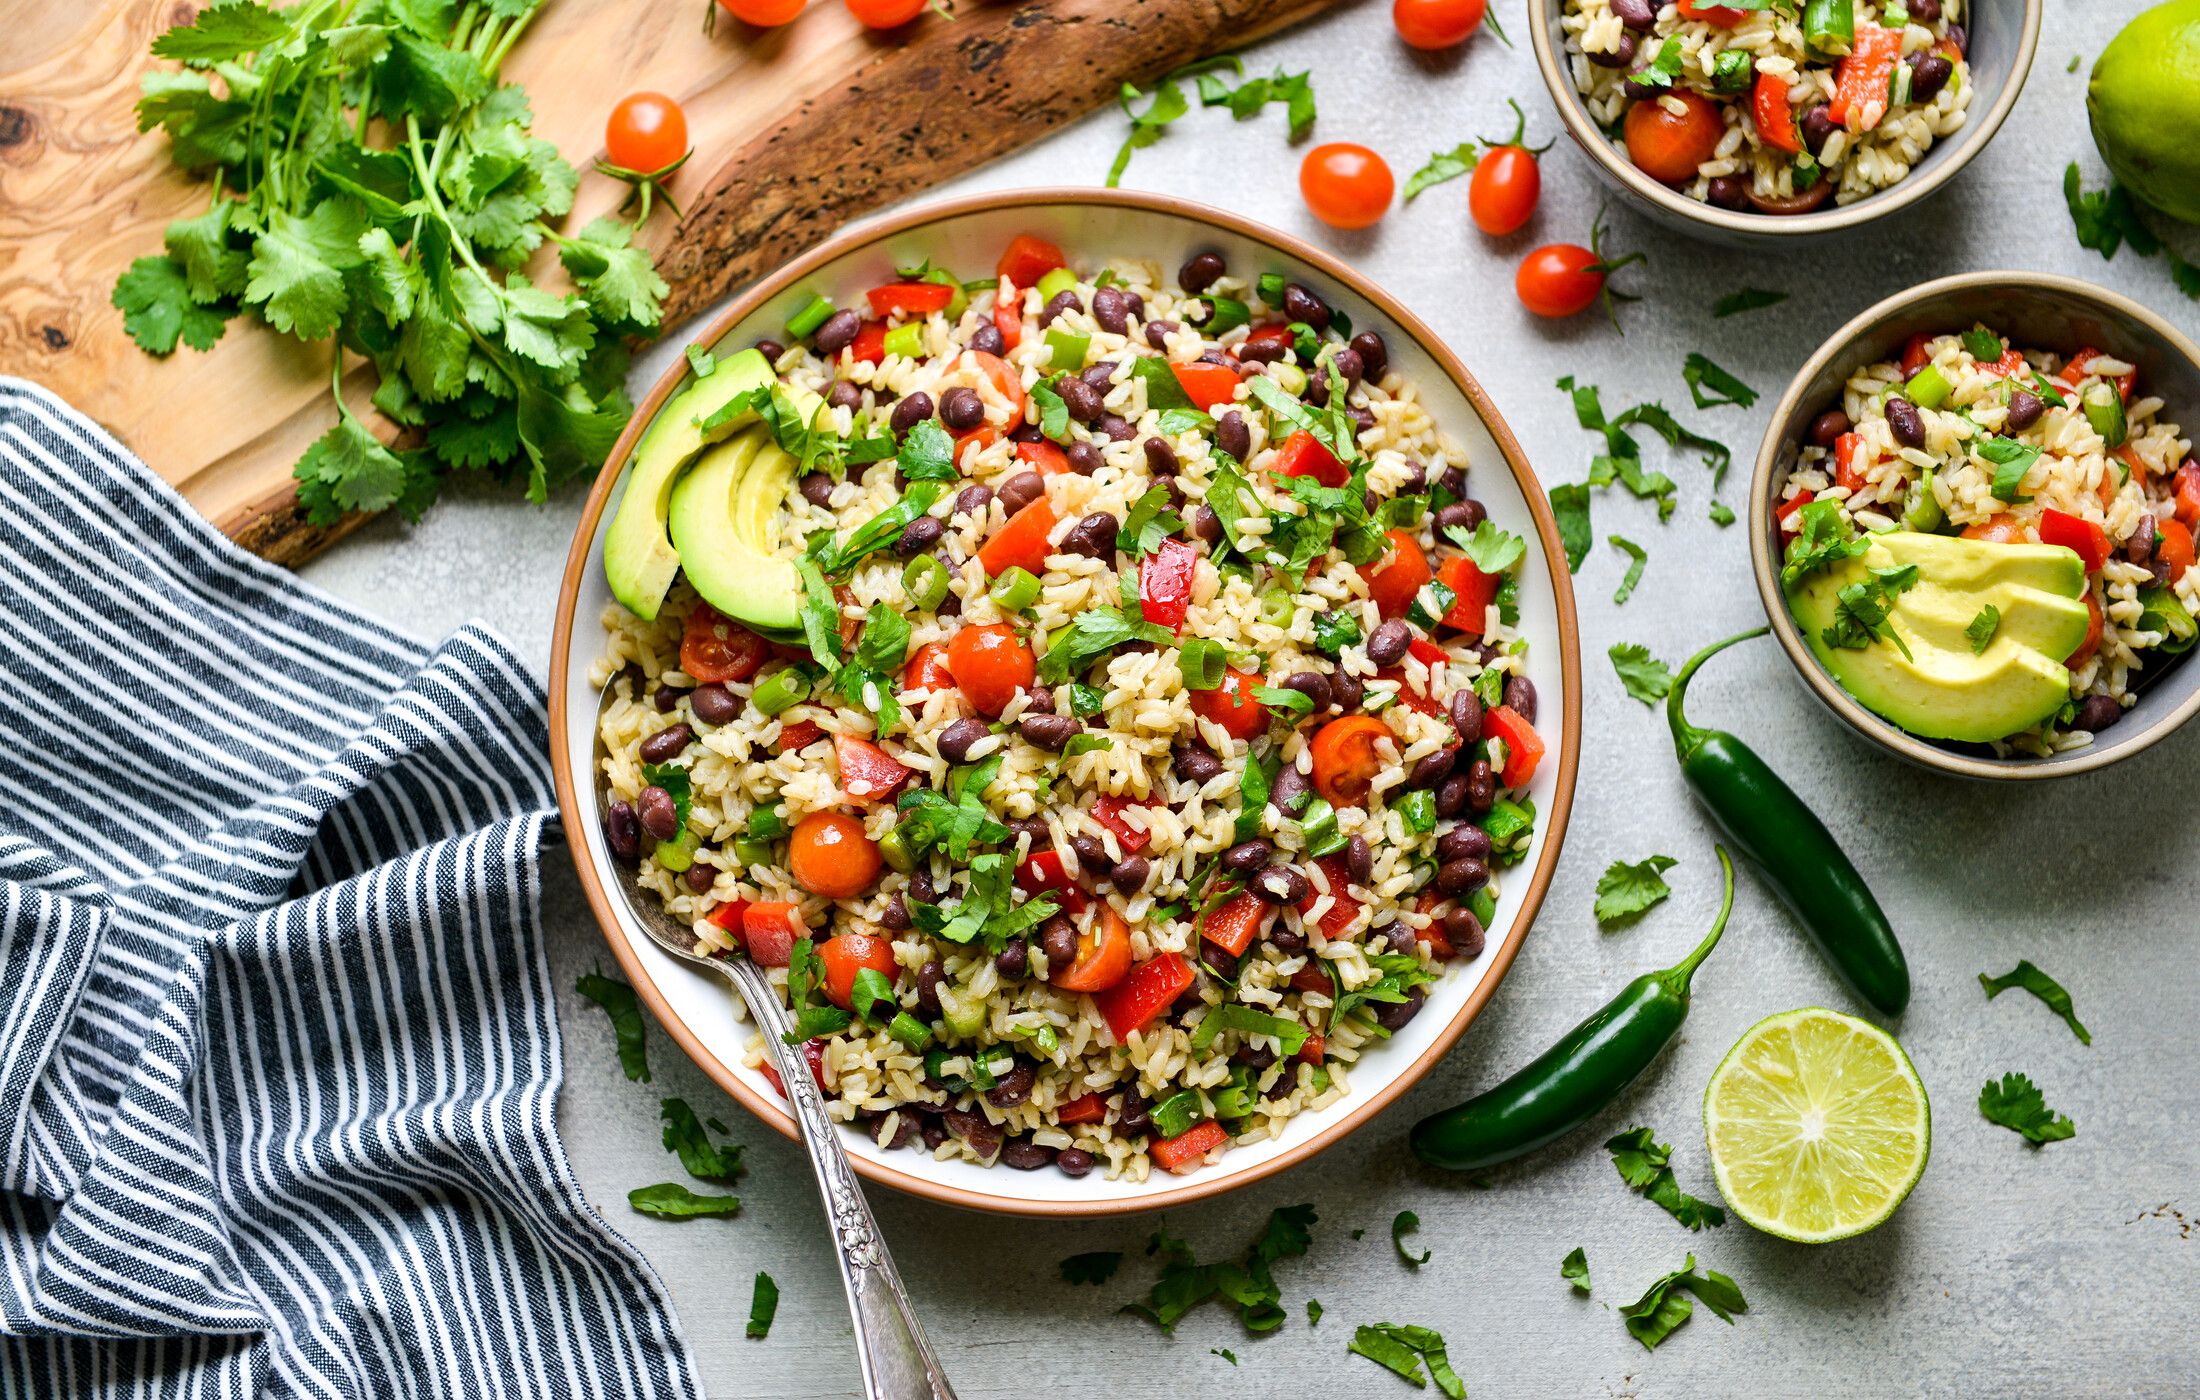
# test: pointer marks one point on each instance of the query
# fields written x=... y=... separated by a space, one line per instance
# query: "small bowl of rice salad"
x=1108 y=664
x=1974 y=525
x=1782 y=117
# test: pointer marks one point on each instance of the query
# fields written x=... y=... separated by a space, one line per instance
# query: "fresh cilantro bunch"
x=374 y=187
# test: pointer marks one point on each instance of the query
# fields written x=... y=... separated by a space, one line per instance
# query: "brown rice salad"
x=1156 y=730
x=1772 y=105
x=1969 y=435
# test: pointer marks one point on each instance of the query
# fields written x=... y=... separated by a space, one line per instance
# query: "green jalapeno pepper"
x=1570 y=1083
x=1791 y=849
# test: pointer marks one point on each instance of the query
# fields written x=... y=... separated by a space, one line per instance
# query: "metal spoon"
x=896 y=1362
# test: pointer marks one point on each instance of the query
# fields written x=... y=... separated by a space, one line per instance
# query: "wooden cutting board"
x=797 y=131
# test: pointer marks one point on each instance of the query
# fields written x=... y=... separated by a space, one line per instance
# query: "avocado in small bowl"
x=1953 y=613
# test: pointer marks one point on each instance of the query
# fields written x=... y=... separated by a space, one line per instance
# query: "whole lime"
x=2144 y=102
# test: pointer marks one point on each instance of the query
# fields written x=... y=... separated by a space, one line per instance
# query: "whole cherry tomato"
x=829 y=855
x=1668 y=146
x=646 y=133
x=1346 y=186
x=885 y=14
x=1231 y=705
x=1436 y=24
x=1559 y=279
x=764 y=14
x=844 y=956
x=1503 y=194
x=990 y=665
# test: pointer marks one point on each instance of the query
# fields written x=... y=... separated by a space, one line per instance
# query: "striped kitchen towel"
x=278 y=1051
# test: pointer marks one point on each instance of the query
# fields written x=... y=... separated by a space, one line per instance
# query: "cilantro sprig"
x=1627 y=890
x=2016 y=1103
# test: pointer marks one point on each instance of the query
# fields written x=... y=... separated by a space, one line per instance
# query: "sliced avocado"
x=724 y=526
x=1942 y=689
x=638 y=557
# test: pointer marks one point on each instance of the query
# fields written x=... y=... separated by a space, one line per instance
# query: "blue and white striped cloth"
x=278 y=1050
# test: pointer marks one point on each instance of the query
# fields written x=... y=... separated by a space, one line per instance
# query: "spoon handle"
x=897 y=1363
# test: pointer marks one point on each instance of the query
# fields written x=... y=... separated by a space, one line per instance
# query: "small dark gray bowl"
x=2004 y=35
x=2035 y=311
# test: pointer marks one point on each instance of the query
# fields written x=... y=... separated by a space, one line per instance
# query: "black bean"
x=1620 y=57
x=961 y=408
x=658 y=814
x=1904 y=421
x=1129 y=874
x=1827 y=427
x=1021 y=490
x=621 y=832
x=1374 y=355
x=771 y=350
x=1132 y=1113
x=2097 y=712
x=1431 y=771
x=1093 y=537
x=1639 y=92
x=817 y=488
x=1924 y=11
x=1064 y=300
x=1232 y=436
x=1929 y=73
x=987 y=339
x=1464 y=515
x=1311 y=684
x=1111 y=310
x=1038 y=700
x=1287 y=941
x=1084 y=458
x=1206 y=525
x=666 y=699
x=1158 y=333
x=895 y=916
x=1247 y=857
x=919 y=535
x=844 y=395
x=1466 y=716
x=932 y=1132
x=1348 y=364
x=1317 y=388
x=1363 y=418
x=1289 y=791
x=1058 y=940
x=1393 y=1015
x=1254 y=1057
x=1100 y=376
x=666 y=744
x=1346 y=692
x=838 y=332
x=1451 y=795
x=700 y=876
x=1193 y=762
x=1464 y=932
x=1816 y=126
x=1200 y=271
x=1073 y=1161
x=1279 y=884
x=1519 y=697
x=972 y=500
x=2025 y=409
x=1014 y=960
x=1081 y=399
x=2139 y=547
x=1959 y=36
x=1359 y=859
x=910 y=412
x=1116 y=427
x=1049 y=732
x=922 y=888
x=1259 y=352
x=714 y=704
x=1728 y=192
x=1387 y=644
x=982 y=1137
x=1638 y=15
x=1042 y=835
x=1093 y=859
x=1160 y=457
x=1463 y=842
x=1302 y=303
x=1481 y=787
x=958 y=738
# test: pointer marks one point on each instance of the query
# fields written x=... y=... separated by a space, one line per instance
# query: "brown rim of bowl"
x=1974 y=135
x=1881 y=732
x=1356 y=1114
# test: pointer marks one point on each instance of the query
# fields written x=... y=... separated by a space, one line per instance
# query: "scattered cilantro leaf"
x=1313 y=1311
x=1250 y=1286
x=1712 y=387
x=158 y=309
x=1644 y=1163
x=1095 y=1266
x=1489 y=549
x=763 y=1305
x=627 y=1027
x=1570 y=509
x=685 y=1135
x=1574 y=1268
x=1402 y=1350
x=1747 y=299
x=1225 y=1353
x=2016 y=1103
x=1625 y=891
x=1651 y=1318
x=2039 y=984
x=670 y=1200
x=1405 y=1224
x=1442 y=166
x=1643 y=675
x=1982 y=628
x=1637 y=558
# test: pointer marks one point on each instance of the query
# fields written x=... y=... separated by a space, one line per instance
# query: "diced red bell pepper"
x=1429 y=654
x=2011 y=364
x=813 y=1055
x=1187 y=1151
x=1312 y=977
x=869 y=345
x=1473 y=592
x=910 y=298
x=1302 y=454
x=1394 y=578
x=927 y=669
x=1236 y=922
x=978 y=439
x=768 y=930
x=1775 y=118
x=1313 y=1051
x=1008 y=315
x=1409 y=695
x=796 y=737
x=1108 y=809
x=1523 y=746
x=2188 y=494
x=1027 y=259
x=867 y=772
x=2073 y=532
x=1914 y=353
x=728 y=916
x=1086 y=1108
x=1847 y=448
x=1021 y=543
x=1206 y=384
x=1439 y=945
x=1043 y=457
x=1043 y=872
x=1343 y=908
x=1861 y=81
x=2074 y=373
x=1165 y=583
x=1784 y=513
x=1153 y=986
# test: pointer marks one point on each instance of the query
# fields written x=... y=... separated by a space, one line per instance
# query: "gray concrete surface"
x=2011 y=1271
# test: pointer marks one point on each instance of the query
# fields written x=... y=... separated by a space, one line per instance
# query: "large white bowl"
x=698 y=1009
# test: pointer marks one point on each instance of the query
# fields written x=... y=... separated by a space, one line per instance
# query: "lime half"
x=1817 y=1124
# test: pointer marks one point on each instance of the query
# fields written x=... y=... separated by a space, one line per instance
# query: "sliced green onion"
x=906 y=340
x=1237 y=1098
x=1066 y=349
x=1928 y=388
x=678 y=854
x=1922 y=512
x=1483 y=905
x=1270 y=287
x=1174 y=1115
x=1276 y=607
x=924 y=581
x=893 y=848
x=767 y=824
x=1827 y=23
x=1289 y=377
x=752 y=852
x=1054 y=282
x=2104 y=409
x=1202 y=660
x=1418 y=810
x=780 y=691
x=812 y=315
x=1319 y=1079
x=1224 y=314
x=909 y=1031
x=1017 y=588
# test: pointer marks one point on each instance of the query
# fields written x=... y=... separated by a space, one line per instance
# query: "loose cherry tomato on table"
x=764 y=14
x=1393 y=579
x=1231 y=705
x=1436 y=24
x=829 y=855
x=1559 y=279
x=716 y=648
x=1667 y=145
x=991 y=664
x=1346 y=186
x=885 y=14
x=1345 y=760
x=846 y=955
x=1503 y=193
x=645 y=140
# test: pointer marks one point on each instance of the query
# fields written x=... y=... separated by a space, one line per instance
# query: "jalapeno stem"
x=1685 y=736
x=1678 y=975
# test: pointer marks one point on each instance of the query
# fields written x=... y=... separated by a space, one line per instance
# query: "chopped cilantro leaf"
x=627 y=1027
x=1644 y=1163
x=2016 y=1103
x=1643 y=675
x=1626 y=890
x=1405 y=1224
x=1982 y=628
x=671 y=1201
x=1442 y=166
x=2039 y=984
x=685 y=1135
x=763 y=1305
x=1747 y=299
x=1574 y=1268
x=1637 y=558
x=1702 y=375
x=1095 y=1266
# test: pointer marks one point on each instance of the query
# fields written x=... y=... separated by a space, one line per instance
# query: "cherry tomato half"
x=1346 y=186
x=1668 y=146
x=829 y=855
x=1231 y=705
x=1345 y=761
x=1503 y=193
x=1436 y=24
x=1558 y=279
x=885 y=14
x=990 y=664
x=716 y=648
x=764 y=14
x=646 y=133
